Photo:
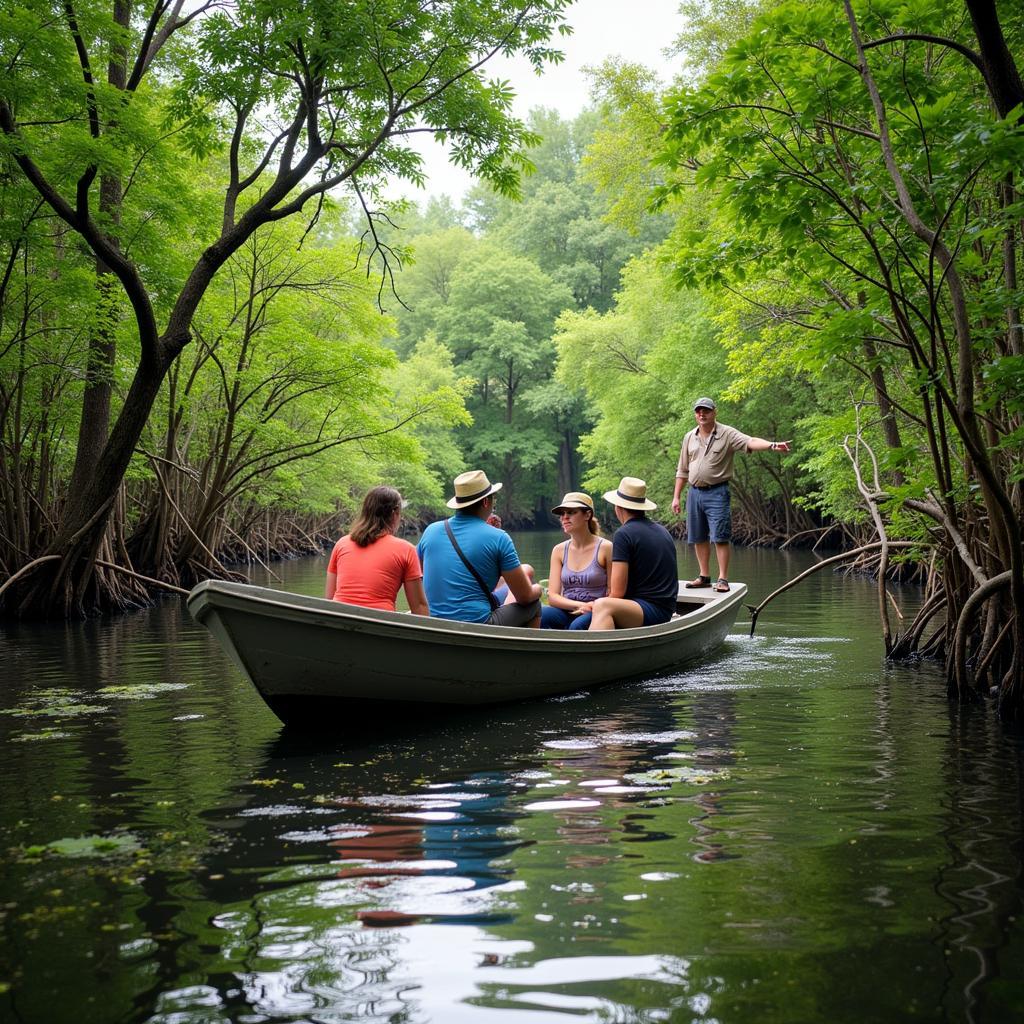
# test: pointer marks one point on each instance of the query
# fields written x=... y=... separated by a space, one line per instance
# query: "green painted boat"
x=308 y=656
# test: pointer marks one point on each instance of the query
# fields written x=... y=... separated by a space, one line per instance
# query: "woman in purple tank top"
x=579 y=566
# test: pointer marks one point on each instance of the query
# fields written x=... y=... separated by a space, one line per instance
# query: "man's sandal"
x=721 y=586
x=700 y=581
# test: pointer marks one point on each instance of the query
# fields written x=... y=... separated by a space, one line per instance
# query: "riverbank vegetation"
x=215 y=334
x=155 y=159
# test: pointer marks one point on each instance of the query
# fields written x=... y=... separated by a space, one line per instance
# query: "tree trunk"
x=567 y=473
x=1001 y=74
x=69 y=587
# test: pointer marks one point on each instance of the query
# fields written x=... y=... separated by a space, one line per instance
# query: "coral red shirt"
x=372 y=576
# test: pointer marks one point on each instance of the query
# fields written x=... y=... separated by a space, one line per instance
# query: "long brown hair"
x=374 y=519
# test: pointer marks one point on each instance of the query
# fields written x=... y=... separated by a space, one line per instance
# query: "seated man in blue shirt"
x=643 y=585
x=453 y=592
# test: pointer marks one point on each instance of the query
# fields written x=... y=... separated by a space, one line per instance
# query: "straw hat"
x=472 y=487
x=632 y=494
x=574 y=499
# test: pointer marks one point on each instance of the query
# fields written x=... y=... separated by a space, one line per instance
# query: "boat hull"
x=304 y=654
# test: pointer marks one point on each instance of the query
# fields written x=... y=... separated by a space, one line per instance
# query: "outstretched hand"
x=782 y=446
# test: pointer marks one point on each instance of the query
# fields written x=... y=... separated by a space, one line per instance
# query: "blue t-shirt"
x=452 y=593
x=650 y=551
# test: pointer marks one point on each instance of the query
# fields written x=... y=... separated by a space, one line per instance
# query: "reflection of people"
x=461 y=845
x=369 y=564
x=579 y=566
x=463 y=557
x=643 y=587
x=705 y=461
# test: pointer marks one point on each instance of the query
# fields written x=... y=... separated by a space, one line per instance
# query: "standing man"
x=642 y=586
x=705 y=461
x=464 y=556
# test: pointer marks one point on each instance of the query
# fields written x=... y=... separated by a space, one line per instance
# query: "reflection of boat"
x=304 y=653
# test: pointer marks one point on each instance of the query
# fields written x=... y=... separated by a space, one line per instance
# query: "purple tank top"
x=584 y=584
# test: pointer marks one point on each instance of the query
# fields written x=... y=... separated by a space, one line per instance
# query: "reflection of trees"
x=813 y=861
x=112 y=931
x=981 y=880
x=714 y=721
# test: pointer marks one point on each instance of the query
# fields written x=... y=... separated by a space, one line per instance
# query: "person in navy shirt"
x=452 y=590
x=644 y=585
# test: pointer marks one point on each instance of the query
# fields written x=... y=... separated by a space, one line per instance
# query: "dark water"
x=791 y=832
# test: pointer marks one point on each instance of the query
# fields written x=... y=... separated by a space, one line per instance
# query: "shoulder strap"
x=565 y=559
x=491 y=600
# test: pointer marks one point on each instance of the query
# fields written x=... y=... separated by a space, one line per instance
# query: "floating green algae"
x=45 y=734
x=58 y=701
x=139 y=691
x=115 y=845
x=666 y=776
x=65 y=703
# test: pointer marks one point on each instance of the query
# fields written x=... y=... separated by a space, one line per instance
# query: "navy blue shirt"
x=650 y=552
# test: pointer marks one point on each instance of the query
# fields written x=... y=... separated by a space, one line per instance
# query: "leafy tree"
x=619 y=161
x=498 y=323
x=640 y=367
x=287 y=366
x=303 y=98
x=425 y=283
x=861 y=161
x=430 y=372
x=711 y=28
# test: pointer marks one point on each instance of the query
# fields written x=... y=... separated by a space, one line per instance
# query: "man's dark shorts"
x=514 y=614
x=708 y=516
x=654 y=614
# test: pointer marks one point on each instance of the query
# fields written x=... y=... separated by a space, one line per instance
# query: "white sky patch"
x=633 y=30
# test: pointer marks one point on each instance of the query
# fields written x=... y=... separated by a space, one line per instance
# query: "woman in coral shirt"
x=369 y=564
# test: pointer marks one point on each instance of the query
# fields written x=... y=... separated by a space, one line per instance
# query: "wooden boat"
x=305 y=654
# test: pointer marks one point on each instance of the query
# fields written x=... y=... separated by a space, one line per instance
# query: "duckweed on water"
x=140 y=691
x=666 y=776
x=63 y=702
x=57 y=701
x=45 y=734
x=116 y=845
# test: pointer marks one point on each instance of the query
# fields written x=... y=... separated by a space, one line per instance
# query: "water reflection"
x=744 y=841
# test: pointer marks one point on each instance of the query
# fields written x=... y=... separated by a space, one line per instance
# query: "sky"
x=635 y=30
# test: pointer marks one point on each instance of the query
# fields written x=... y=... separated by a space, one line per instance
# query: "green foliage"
x=379 y=66
x=175 y=144
x=498 y=323
x=493 y=297
x=429 y=380
x=425 y=282
x=619 y=160
x=290 y=399
x=640 y=368
x=711 y=28
x=811 y=264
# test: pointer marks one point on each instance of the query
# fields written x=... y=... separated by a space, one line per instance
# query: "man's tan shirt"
x=708 y=461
